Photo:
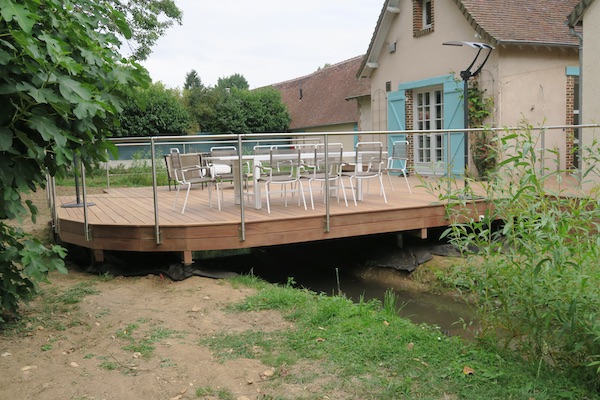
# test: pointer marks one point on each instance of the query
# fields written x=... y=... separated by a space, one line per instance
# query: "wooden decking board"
x=123 y=219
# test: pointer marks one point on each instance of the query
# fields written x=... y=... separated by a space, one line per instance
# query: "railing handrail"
x=204 y=138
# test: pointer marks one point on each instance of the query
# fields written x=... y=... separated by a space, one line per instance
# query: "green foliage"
x=211 y=393
x=192 y=80
x=483 y=144
x=23 y=261
x=147 y=21
x=535 y=281
x=372 y=353
x=61 y=81
x=145 y=344
x=153 y=111
x=234 y=81
x=236 y=110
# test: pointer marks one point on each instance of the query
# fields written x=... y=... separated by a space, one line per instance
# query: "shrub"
x=535 y=280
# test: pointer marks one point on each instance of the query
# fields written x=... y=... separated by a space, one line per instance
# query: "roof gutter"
x=530 y=43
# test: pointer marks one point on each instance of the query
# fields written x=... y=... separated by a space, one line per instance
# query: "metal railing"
x=247 y=141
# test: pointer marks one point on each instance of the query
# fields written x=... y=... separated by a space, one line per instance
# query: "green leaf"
x=6 y=138
x=73 y=90
x=20 y=13
x=45 y=126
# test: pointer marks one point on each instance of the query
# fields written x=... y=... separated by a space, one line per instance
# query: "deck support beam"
x=186 y=257
x=98 y=255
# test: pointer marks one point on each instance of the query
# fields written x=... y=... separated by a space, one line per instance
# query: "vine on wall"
x=483 y=147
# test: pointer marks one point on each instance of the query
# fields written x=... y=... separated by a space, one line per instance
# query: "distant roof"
x=539 y=22
x=520 y=22
x=321 y=98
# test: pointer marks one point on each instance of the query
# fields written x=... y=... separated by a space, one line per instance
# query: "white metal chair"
x=369 y=165
x=398 y=162
x=187 y=176
x=283 y=169
x=327 y=166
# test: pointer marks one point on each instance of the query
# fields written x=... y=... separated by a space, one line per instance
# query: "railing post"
x=154 y=192
x=327 y=194
x=241 y=180
x=86 y=228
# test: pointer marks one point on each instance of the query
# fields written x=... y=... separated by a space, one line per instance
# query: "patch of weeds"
x=105 y=277
x=103 y=313
x=109 y=365
x=145 y=344
x=46 y=347
x=250 y=344
x=88 y=356
x=75 y=294
x=221 y=394
x=248 y=280
x=49 y=308
x=369 y=352
x=166 y=363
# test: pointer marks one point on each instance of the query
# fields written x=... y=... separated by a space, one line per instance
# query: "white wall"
x=591 y=79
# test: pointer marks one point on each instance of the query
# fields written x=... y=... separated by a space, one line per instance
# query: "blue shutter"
x=396 y=116
x=454 y=119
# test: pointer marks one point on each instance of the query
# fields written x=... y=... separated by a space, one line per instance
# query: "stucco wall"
x=426 y=56
x=591 y=61
x=591 y=76
x=531 y=86
x=346 y=140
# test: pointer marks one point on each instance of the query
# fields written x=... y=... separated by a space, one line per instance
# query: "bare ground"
x=83 y=353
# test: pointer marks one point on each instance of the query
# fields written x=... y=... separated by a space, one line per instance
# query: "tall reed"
x=533 y=258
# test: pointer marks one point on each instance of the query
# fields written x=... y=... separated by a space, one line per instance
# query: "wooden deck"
x=123 y=219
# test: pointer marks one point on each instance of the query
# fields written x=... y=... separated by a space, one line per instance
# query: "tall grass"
x=137 y=173
x=364 y=350
x=535 y=279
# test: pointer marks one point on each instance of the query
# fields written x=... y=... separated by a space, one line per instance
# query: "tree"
x=192 y=81
x=62 y=81
x=153 y=111
x=234 y=81
x=248 y=111
x=147 y=21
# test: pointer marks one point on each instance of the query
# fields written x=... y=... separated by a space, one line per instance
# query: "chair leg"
x=312 y=203
x=301 y=189
x=382 y=189
x=187 y=193
x=176 y=197
x=407 y=184
x=267 y=192
x=343 y=191
x=390 y=179
x=353 y=193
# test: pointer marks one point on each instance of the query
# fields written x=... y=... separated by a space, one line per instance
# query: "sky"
x=266 y=41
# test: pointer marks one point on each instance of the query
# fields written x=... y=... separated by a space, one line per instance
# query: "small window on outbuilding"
x=423 y=17
x=388 y=86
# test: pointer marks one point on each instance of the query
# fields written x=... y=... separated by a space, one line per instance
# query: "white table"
x=256 y=162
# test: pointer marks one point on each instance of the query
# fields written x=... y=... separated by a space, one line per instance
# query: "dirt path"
x=91 y=349
x=86 y=356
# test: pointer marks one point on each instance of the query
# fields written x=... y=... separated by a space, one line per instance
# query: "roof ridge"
x=319 y=70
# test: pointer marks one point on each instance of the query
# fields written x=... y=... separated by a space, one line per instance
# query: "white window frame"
x=426 y=12
x=429 y=148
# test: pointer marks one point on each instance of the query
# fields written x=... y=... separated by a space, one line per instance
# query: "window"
x=423 y=17
x=426 y=14
x=429 y=115
x=388 y=86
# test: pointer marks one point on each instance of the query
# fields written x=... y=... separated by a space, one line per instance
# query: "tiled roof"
x=513 y=21
x=320 y=99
